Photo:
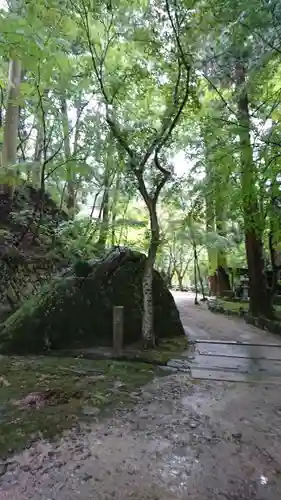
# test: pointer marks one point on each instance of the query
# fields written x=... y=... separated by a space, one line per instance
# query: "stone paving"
x=244 y=355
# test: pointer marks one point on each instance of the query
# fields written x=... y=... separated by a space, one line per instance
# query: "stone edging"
x=218 y=308
x=272 y=326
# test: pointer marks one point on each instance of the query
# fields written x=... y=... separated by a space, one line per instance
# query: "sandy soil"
x=184 y=439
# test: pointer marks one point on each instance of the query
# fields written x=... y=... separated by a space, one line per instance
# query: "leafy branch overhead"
x=153 y=75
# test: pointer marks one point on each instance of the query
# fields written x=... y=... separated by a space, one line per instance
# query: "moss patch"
x=228 y=307
x=43 y=395
x=167 y=349
x=237 y=306
x=79 y=389
x=234 y=306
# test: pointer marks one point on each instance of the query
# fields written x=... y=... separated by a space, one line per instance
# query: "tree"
x=143 y=138
x=239 y=49
x=260 y=302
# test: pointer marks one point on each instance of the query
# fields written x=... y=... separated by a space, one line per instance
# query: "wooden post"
x=118 y=329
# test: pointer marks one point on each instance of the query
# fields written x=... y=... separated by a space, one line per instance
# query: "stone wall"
x=21 y=277
x=27 y=257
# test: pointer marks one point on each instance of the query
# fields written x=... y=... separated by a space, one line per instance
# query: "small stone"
x=25 y=467
x=3 y=468
x=193 y=425
x=90 y=411
x=237 y=435
x=60 y=463
x=87 y=477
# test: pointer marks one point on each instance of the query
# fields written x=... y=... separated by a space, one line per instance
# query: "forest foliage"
x=154 y=125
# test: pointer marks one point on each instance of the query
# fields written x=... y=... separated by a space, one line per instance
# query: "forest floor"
x=184 y=438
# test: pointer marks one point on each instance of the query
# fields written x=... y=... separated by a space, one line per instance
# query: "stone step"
x=201 y=374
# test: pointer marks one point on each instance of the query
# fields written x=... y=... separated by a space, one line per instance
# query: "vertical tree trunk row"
x=260 y=303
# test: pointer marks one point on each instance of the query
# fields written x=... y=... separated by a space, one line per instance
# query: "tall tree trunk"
x=215 y=221
x=273 y=243
x=10 y=140
x=275 y=265
x=260 y=303
x=223 y=286
x=70 y=197
x=210 y=227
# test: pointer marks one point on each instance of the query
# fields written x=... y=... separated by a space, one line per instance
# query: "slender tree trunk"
x=9 y=152
x=170 y=274
x=78 y=108
x=104 y=225
x=197 y=270
x=200 y=279
x=169 y=279
x=195 y=281
x=36 y=168
x=70 y=198
x=107 y=183
x=41 y=144
x=223 y=287
x=114 y=205
x=180 y=280
x=260 y=303
x=147 y=282
x=10 y=140
x=22 y=135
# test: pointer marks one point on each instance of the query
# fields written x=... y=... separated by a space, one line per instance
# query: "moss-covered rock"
x=76 y=311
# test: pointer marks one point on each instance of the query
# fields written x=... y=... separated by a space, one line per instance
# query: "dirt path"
x=184 y=439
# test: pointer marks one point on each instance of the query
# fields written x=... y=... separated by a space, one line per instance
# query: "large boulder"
x=75 y=309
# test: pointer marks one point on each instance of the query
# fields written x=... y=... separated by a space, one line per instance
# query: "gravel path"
x=184 y=439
